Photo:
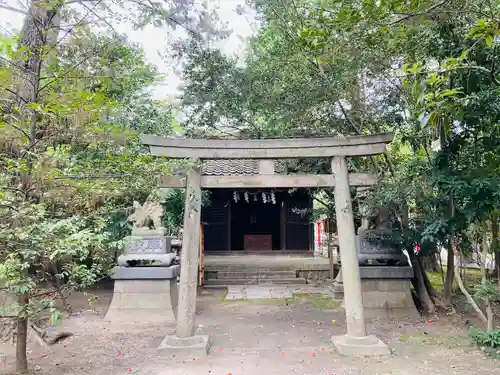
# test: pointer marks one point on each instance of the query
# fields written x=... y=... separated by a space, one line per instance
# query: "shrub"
x=489 y=341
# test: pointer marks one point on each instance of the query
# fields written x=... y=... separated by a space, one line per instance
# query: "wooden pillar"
x=347 y=242
x=283 y=225
x=189 y=256
x=201 y=274
x=229 y=224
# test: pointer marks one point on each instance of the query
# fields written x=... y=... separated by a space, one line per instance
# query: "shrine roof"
x=236 y=167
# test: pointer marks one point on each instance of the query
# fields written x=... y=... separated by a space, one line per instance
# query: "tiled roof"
x=235 y=167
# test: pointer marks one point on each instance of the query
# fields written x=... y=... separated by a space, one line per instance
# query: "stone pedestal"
x=386 y=292
x=192 y=346
x=144 y=294
x=360 y=346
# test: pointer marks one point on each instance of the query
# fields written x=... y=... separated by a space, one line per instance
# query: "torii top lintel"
x=267 y=148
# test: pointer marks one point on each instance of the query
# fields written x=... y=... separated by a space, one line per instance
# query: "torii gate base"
x=360 y=346
x=355 y=342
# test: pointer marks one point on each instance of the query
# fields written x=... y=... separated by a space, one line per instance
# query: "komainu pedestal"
x=145 y=287
x=387 y=293
x=144 y=294
x=385 y=278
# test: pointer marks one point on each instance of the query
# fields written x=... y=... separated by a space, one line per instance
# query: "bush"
x=489 y=341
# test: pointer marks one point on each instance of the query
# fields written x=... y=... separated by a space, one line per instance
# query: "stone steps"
x=256 y=274
x=254 y=281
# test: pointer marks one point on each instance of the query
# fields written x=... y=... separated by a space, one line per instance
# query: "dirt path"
x=251 y=338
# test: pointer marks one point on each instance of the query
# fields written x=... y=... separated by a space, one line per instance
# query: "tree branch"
x=481 y=69
x=15 y=94
x=411 y=15
x=357 y=129
x=21 y=130
x=12 y=9
x=89 y=10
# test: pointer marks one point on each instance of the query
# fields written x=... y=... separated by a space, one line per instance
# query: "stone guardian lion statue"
x=144 y=215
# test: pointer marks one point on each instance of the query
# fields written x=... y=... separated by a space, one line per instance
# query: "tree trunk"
x=428 y=285
x=22 y=337
x=468 y=296
x=490 y=324
x=495 y=244
x=418 y=280
x=37 y=34
x=430 y=263
x=420 y=285
x=450 y=268
x=496 y=271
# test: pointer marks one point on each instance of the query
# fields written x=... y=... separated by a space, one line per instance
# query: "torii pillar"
x=355 y=342
x=185 y=339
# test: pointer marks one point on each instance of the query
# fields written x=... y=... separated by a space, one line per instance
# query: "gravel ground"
x=253 y=337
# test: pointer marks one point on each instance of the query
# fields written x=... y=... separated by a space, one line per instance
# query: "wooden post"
x=229 y=225
x=190 y=256
x=283 y=224
x=201 y=277
x=347 y=242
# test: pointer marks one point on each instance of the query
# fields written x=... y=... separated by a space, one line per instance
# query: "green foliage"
x=487 y=290
x=71 y=165
x=321 y=67
x=489 y=340
x=174 y=208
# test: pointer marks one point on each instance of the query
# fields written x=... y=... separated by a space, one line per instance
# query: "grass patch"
x=302 y=294
x=263 y=300
x=324 y=302
x=472 y=277
x=319 y=301
x=260 y=300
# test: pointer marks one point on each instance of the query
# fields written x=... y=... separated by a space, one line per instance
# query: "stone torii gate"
x=356 y=341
